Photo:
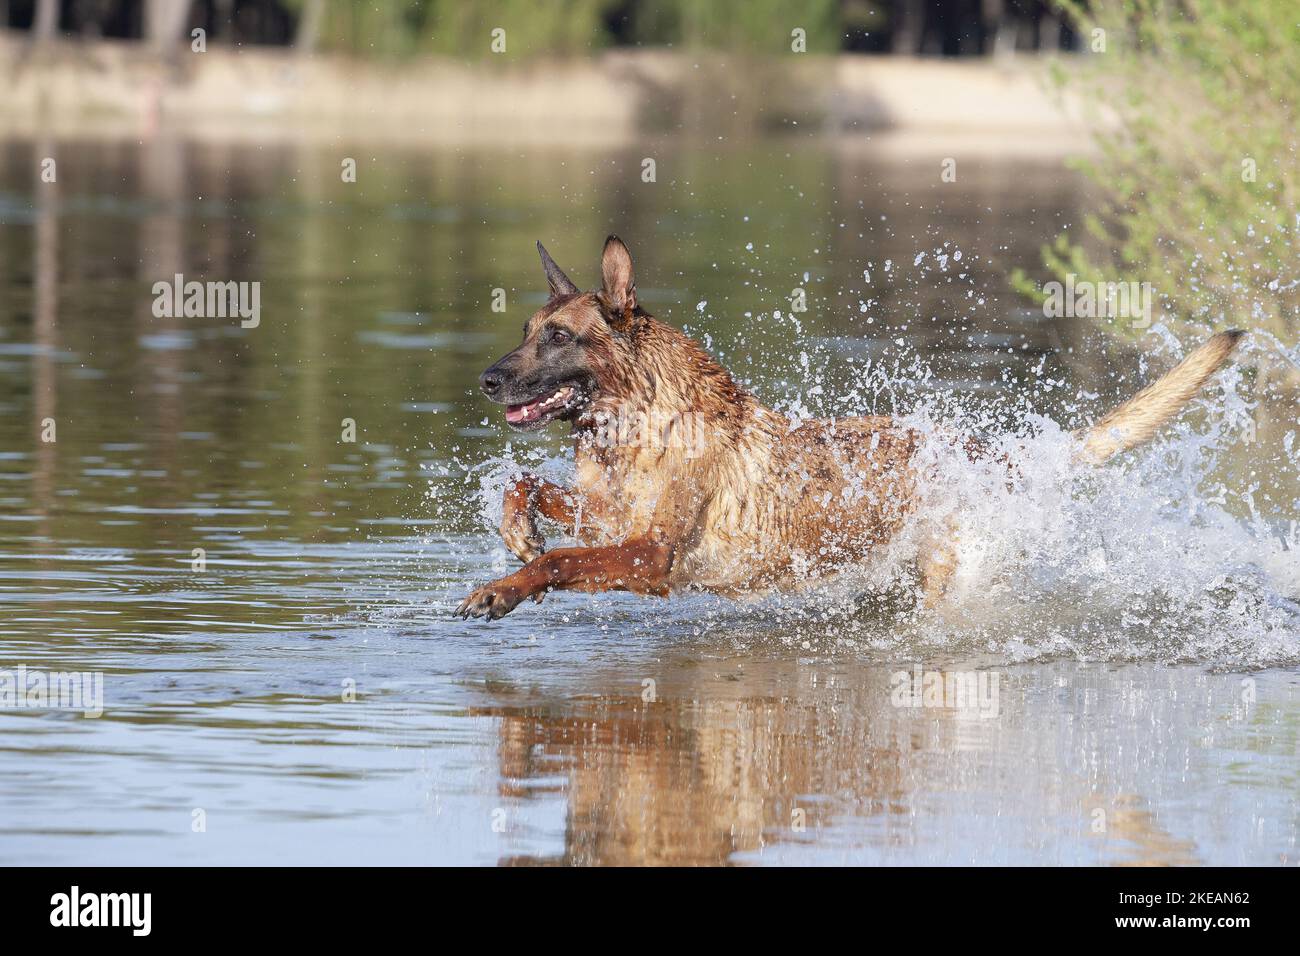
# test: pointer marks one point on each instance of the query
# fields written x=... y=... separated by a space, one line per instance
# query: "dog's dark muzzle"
x=500 y=382
x=534 y=393
x=491 y=382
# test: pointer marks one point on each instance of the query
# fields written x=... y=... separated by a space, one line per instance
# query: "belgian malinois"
x=715 y=491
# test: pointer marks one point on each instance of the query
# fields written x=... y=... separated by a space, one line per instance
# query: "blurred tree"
x=865 y=26
x=46 y=23
x=461 y=28
x=164 y=22
x=311 y=19
x=738 y=25
x=558 y=27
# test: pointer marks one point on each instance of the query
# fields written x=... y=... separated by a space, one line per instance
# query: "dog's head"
x=571 y=345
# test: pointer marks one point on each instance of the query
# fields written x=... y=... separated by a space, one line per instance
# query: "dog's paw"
x=491 y=601
x=522 y=538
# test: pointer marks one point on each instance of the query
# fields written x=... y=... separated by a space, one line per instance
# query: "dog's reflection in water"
x=837 y=774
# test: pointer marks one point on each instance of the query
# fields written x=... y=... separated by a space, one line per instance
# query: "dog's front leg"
x=524 y=501
x=938 y=562
x=640 y=565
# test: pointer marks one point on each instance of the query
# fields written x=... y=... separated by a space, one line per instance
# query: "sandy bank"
x=116 y=89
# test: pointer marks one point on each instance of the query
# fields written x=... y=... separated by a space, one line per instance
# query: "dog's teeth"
x=542 y=404
x=553 y=399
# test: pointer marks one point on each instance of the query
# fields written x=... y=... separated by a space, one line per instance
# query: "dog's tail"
x=1138 y=419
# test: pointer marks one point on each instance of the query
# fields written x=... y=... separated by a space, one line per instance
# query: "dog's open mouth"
x=544 y=409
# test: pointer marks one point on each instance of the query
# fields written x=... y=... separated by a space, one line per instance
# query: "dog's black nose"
x=490 y=381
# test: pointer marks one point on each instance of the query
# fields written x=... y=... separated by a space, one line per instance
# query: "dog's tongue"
x=520 y=413
x=528 y=411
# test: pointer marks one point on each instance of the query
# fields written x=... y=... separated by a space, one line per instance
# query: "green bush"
x=462 y=28
x=1198 y=167
x=749 y=26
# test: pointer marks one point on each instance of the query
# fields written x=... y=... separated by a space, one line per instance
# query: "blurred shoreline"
x=118 y=90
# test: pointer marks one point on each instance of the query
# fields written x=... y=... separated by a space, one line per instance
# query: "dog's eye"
x=560 y=337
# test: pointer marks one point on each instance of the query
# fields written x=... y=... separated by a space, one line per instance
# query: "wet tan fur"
x=1141 y=416
x=760 y=502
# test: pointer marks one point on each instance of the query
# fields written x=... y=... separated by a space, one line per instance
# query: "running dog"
x=717 y=492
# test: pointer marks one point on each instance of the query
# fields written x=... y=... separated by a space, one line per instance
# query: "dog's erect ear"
x=555 y=278
x=618 y=288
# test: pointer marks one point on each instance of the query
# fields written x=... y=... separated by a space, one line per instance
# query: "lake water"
x=297 y=690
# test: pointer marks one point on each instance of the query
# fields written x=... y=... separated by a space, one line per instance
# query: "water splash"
x=1170 y=553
